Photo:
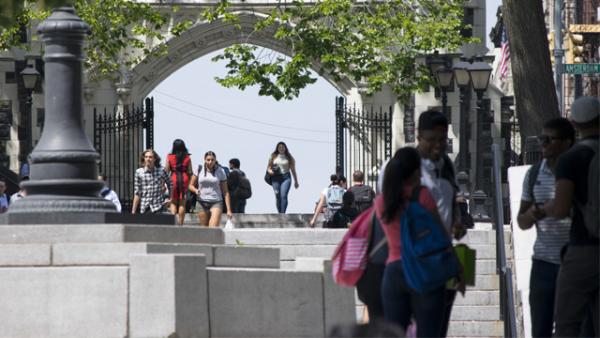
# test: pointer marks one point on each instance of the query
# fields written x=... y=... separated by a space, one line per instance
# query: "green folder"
x=467 y=257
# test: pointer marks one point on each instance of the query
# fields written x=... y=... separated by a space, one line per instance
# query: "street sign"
x=582 y=68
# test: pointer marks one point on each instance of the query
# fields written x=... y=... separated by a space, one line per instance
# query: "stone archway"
x=204 y=38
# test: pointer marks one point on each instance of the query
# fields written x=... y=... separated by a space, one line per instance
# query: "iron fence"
x=120 y=137
x=363 y=139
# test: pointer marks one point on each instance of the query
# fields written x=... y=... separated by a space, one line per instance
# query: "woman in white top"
x=281 y=164
x=210 y=188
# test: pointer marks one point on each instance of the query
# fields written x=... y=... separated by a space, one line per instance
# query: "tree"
x=374 y=43
x=117 y=26
x=535 y=92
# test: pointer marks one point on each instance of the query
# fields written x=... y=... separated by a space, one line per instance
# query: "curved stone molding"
x=204 y=38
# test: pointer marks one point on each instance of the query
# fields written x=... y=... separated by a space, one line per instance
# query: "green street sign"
x=582 y=68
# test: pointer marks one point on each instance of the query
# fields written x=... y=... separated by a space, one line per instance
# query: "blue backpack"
x=428 y=259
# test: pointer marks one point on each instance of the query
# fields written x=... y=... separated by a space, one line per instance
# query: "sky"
x=190 y=105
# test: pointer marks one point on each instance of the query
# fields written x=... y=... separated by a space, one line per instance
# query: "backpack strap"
x=448 y=173
x=534 y=172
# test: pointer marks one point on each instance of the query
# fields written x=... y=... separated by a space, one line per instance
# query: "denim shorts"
x=207 y=205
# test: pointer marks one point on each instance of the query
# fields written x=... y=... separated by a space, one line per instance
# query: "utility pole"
x=558 y=52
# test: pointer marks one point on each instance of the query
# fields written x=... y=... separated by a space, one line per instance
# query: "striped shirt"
x=552 y=234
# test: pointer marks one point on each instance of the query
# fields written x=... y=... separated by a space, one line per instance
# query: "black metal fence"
x=363 y=139
x=120 y=137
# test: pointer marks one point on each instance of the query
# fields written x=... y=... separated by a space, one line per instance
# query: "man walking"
x=109 y=194
x=151 y=183
x=363 y=194
x=558 y=135
x=437 y=174
x=239 y=187
x=579 y=275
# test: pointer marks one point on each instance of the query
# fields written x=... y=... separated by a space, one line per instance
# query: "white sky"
x=190 y=105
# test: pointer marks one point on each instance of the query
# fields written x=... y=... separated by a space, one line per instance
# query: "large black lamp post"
x=30 y=78
x=479 y=74
x=444 y=77
x=64 y=162
x=463 y=80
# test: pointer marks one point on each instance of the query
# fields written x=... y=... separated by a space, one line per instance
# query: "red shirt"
x=392 y=229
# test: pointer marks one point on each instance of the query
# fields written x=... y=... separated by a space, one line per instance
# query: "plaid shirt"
x=149 y=186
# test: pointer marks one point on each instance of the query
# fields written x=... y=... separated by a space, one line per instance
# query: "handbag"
x=268 y=178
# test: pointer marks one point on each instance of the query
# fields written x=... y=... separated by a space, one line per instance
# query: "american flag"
x=504 y=55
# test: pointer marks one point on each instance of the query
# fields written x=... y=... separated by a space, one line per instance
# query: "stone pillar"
x=64 y=163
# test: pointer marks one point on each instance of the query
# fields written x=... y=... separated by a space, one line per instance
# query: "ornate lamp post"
x=479 y=73
x=64 y=162
x=463 y=80
x=30 y=77
x=445 y=76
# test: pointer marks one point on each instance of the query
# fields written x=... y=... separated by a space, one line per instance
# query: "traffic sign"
x=582 y=68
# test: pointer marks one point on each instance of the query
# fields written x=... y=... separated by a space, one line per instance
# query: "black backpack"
x=363 y=196
x=244 y=190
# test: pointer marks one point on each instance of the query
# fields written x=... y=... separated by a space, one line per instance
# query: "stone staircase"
x=475 y=315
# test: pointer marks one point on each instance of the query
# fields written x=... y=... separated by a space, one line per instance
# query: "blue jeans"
x=400 y=303
x=542 y=288
x=281 y=186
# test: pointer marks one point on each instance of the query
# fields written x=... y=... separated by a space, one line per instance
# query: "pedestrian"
x=282 y=167
x=400 y=302
x=437 y=174
x=343 y=217
x=578 y=278
x=558 y=135
x=4 y=198
x=212 y=190
x=239 y=187
x=22 y=192
x=179 y=166
x=109 y=194
x=151 y=182
x=332 y=199
x=363 y=194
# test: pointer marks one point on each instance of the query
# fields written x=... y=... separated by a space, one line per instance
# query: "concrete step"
x=262 y=220
x=476 y=328
x=475 y=312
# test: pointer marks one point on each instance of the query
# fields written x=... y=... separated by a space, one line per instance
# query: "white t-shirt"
x=441 y=189
x=283 y=163
x=209 y=184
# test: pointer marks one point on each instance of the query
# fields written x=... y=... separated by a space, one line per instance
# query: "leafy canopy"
x=374 y=43
x=120 y=30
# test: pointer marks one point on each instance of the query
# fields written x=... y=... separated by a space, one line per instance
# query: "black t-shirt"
x=573 y=166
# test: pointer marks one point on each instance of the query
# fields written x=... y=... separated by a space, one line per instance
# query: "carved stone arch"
x=204 y=38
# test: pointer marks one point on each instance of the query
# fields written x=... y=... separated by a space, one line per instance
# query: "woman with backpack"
x=402 y=178
x=209 y=182
x=331 y=200
x=282 y=167
x=179 y=166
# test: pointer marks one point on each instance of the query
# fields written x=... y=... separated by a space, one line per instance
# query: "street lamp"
x=463 y=80
x=444 y=76
x=30 y=77
x=479 y=73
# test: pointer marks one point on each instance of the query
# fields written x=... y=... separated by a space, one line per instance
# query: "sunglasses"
x=546 y=139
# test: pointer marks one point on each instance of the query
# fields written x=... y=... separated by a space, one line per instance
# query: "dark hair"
x=235 y=163
x=563 y=127
x=400 y=168
x=287 y=152
x=348 y=198
x=430 y=119
x=210 y=153
x=156 y=157
x=335 y=179
x=342 y=178
x=179 y=150
x=358 y=176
